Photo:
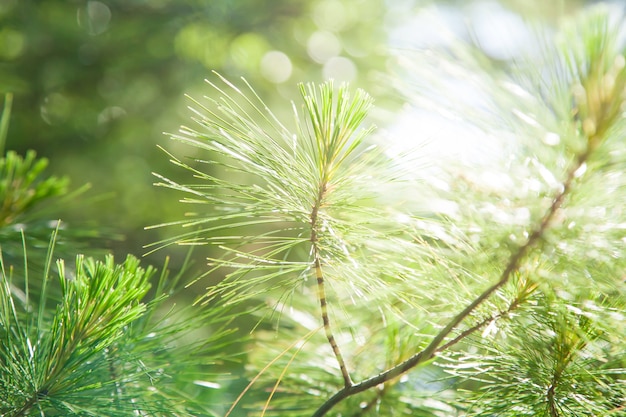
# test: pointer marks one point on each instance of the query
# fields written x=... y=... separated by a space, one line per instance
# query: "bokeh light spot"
x=276 y=67
x=56 y=108
x=203 y=43
x=322 y=46
x=94 y=17
x=501 y=33
x=110 y=114
x=11 y=44
x=247 y=50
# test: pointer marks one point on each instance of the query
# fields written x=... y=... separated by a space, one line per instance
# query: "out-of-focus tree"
x=97 y=82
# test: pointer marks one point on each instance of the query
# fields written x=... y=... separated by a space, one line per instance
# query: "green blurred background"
x=96 y=83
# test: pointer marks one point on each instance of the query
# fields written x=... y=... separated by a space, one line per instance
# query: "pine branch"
x=22 y=188
x=326 y=141
x=97 y=350
x=430 y=351
x=596 y=106
x=327 y=327
x=560 y=363
x=522 y=297
x=380 y=393
x=321 y=292
x=294 y=193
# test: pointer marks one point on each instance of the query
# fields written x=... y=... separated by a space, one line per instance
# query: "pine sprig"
x=311 y=190
x=99 y=349
x=21 y=186
x=29 y=199
x=312 y=196
x=98 y=302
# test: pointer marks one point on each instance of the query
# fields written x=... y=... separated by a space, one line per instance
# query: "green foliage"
x=565 y=363
x=97 y=340
x=106 y=347
x=506 y=274
x=22 y=187
x=26 y=196
x=96 y=83
x=51 y=361
x=374 y=280
x=289 y=172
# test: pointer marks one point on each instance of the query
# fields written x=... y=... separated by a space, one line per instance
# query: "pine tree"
x=378 y=280
x=399 y=286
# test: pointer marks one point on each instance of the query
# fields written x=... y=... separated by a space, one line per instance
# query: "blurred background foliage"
x=96 y=83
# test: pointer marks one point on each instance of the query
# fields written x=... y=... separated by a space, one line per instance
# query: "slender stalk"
x=327 y=328
x=434 y=346
x=4 y=120
x=321 y=291
x=382 y=389
x=554 y=412
x=564 y=359
x=551 y=394
x=109 y=354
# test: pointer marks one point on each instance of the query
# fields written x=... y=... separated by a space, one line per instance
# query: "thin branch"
x=528 y=288
x=118 y=392
x=382 y=389
x=551 y=393
x=433 y=348
x=327 y=328
x=554 y=412
x=321 y=291
x=559 y=368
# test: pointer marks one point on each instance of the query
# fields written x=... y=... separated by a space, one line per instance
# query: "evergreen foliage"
x=378 y=281
x=98 y=350
x=97 y=340
x=382 y=273
x=29 y=199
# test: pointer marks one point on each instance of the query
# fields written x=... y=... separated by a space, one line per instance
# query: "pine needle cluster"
x=91 y=338
x=393 y=287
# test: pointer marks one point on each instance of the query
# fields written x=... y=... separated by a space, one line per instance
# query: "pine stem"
x=117 y=394
x=560 y=367
x=434 y=346
x=327 y=328
x=551 y=404
x=321 y=291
